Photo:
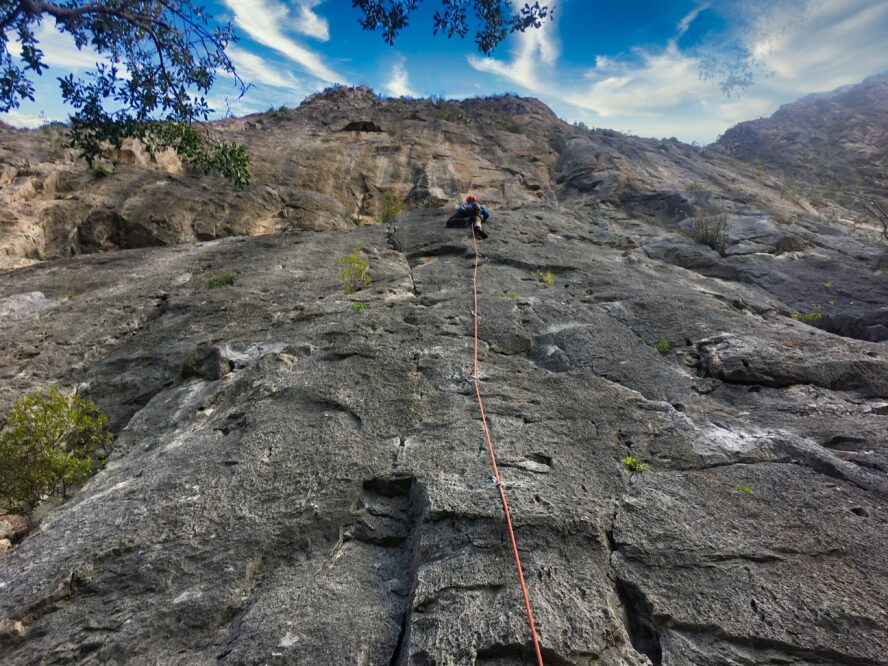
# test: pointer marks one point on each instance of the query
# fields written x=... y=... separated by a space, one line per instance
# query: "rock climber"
x=471 y=213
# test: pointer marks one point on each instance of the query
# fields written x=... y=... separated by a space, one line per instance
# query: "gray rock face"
x=300 y=475
x=295 y=481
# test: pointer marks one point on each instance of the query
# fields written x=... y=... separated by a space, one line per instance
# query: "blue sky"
x=632 y=65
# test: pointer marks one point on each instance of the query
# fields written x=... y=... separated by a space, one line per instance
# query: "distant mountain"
x=834 y=144
x=839 y=136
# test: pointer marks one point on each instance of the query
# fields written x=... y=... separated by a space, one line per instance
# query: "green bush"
x=51 y=442
x=444 y=109
x=547 y=278
x=221 y=280
x=354 y=271
x=694 y=186
x=360 y=306
x=744 y=489
x=807 y=317
x=635 y=465
x=509 y=125
x=204 y=152
x=663 y=346
x=389 y=207
x=710 y=229
x=101 y=170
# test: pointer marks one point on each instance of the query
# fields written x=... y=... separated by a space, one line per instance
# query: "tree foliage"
x=50 y=443
x=495 y=19
x=161 y=58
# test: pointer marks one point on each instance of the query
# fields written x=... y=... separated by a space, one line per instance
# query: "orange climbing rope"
x=496 y=474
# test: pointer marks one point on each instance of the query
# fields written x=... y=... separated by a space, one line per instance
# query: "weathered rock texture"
x=298 y=481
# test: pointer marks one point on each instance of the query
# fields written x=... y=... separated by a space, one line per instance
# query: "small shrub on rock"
x=389 y=208
x=101 y=170
x=354 y=271
x=807 y=317
x=51 y=443
x=360 y=306
x=663 y=346
x=635 y=465
x=547 y=278
x=710 y=229
x=221 y=280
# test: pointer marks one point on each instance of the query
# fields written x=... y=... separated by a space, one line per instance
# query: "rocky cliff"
x=300 y=480
x=830 y=147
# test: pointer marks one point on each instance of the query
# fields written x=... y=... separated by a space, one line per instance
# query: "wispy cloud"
x=658 y=81
x=311 y=24
x=648 y=83
x=399 y=85
x=799 y=47
x=253 y=69
x=836 y=42
x=537 y=49
x=262 y=21
x=687 y=19
x=59 y=49
x=19 y=119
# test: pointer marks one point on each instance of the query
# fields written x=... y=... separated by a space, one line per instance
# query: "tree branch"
x=9 y=20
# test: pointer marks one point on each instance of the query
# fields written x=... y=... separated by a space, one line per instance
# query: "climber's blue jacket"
x=469 y=209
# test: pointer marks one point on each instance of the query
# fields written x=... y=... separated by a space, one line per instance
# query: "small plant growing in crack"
x=513 y=294
x=807 y=317
x=546 y=278
x=360 y=306
x=744 y=489
x=354 y=271
x=663 y=346
x=635 y=465
x=389 y=207
x=102 y=171
x=221 y=280
x=710 y=227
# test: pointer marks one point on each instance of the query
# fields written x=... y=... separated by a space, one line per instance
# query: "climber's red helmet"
x=471 y=198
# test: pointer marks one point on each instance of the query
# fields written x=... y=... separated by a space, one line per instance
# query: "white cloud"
x=801 y=46
x=836 y=42
x=686 y=21
x=659 y=81
x=59 y=49
x=536 y=48
x=262 y=21
x=19 y=119
x=398 y=85
x=253 y=69
x=647 y=85
x=311 y=24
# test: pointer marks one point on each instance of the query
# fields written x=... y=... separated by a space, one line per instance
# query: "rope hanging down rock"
x=496 y=474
